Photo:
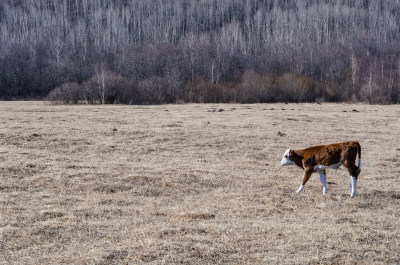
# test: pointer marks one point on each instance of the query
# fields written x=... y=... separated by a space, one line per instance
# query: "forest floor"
x=194 y=184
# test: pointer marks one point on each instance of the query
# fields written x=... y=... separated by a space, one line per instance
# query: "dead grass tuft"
x=198 y=215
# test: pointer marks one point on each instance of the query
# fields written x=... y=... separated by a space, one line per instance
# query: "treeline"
x=166 y=51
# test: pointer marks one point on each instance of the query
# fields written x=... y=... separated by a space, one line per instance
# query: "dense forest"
x=167 y=51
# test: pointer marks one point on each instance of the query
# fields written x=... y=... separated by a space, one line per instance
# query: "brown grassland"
x=194 y=184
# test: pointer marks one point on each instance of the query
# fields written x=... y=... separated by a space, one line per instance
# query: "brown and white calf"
x=318 y=158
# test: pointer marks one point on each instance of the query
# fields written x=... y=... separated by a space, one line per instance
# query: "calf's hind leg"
x=353 y=182
x=322 y=178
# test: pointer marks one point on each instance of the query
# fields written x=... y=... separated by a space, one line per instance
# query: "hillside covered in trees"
x=166 y=51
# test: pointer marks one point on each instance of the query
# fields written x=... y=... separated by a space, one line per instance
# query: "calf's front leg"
x=307 y=175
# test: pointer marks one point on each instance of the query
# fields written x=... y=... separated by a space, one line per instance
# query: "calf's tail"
x=359 y=157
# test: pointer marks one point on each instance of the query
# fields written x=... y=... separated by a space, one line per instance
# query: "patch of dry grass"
x=193 y=184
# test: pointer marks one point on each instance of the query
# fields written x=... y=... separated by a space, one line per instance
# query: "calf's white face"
x=286 y=160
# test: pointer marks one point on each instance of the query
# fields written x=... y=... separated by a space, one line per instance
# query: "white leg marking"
x=300 y=188
x=351 y=182
x=322 y=178
x=353 y=187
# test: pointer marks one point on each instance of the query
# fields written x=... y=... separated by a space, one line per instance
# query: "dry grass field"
x=194 y=184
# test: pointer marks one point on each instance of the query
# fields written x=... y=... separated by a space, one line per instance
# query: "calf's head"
x=287 y=158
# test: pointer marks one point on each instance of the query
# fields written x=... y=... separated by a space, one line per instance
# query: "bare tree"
x=44 y=44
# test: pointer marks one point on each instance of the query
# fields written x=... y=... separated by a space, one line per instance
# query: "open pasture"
x=194 y=184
